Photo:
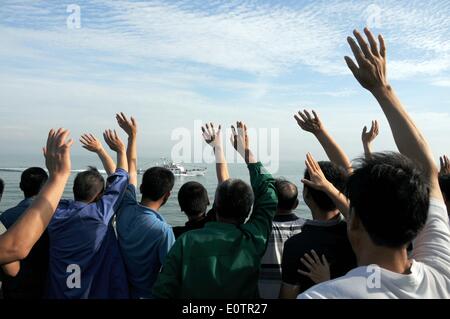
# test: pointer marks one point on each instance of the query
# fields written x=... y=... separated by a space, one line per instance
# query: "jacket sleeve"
x=265 y=205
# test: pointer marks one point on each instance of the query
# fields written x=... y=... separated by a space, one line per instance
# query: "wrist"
x=382 y=91
x=58 y=177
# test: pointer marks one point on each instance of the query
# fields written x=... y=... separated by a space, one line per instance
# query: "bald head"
x=287 y=195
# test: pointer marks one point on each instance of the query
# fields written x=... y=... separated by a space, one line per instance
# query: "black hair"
x=2 y=186
x=32 y=180
x=287 y=194
x=156 y=182
x=444 y=182
x=389 y=194
x=88 y=184
x=234 y=200
x=336 y=175
x=193 y=198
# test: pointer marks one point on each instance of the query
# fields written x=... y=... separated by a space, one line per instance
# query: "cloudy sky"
x=171 y=63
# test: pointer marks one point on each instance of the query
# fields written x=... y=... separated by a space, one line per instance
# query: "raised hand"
x=370 y=70
x=319 y=270
x=114 y=142
x=91 y=143
x=445 y=165
x=309 y=123
x=57 y=152
x=369 y=136
x=317 y=179
x=128 y=125
x=240 y=141
x=212 y=136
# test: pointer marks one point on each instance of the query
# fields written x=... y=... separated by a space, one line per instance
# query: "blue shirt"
x=82 y=238
x=144 y=239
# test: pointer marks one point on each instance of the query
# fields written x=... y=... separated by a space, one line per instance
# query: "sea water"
x=171 y=210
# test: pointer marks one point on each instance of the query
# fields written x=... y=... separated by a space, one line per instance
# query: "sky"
x=175 y=64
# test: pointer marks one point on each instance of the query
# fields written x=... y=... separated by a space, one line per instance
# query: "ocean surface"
x=171 y=211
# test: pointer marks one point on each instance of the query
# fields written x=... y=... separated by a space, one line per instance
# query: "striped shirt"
x=283 y=228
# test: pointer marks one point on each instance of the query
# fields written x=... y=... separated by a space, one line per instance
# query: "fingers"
x=307 y=274
x=364 y=132
x=316 y=117
x=352 y=66
x=315 y=256
x=358 y=54
x=372 y=42
x=310 y=260
x=325 y=261
x=363 y=45
x=306 y=263
x=382 y=46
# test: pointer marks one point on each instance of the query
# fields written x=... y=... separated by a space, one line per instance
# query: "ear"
x=354 y=223
x=296 y=204
x=20 y=186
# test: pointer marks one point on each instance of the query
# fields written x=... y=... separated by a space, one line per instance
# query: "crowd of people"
x=379 y=228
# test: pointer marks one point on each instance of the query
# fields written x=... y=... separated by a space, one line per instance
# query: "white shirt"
x=430 y=269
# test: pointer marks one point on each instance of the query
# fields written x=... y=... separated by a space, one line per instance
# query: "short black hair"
x=32 y=180
x=336 y=175
x=2 y=186
x=193 y=198
x=287 y=194
x=88 y=184
x=389 y=194
x=234 y=199
x=444 y=182
x=156 y=182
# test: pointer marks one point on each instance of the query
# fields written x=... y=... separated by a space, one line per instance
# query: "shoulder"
x=351 y=285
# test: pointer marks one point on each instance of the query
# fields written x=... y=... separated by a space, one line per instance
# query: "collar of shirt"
x=326 y=223
x=285 y=218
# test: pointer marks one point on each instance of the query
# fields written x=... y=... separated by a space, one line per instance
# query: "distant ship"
x=179 y=170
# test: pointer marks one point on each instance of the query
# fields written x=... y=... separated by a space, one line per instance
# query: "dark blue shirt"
x=83 y=246
x=145 y=239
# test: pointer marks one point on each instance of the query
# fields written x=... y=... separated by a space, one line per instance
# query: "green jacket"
x=222 y=260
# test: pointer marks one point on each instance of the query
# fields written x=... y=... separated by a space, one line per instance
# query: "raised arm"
x=130 y=127
x=368 y=137
x=116 y=145
x=319 y=182
x=266 y=200
x=92 y=144
x=214 y=139
x=314 y=125
x=16 y=243
x=371 y=74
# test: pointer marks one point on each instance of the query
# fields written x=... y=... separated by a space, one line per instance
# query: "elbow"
x=19 y=252
x=12 y=270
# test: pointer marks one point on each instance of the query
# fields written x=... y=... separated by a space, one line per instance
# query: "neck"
x=153 y=205
x=392 y=259
x=281 y=211
x=196 y=217
x=321 y=215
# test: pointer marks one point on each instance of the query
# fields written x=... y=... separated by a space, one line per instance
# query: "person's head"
x=2 y=188
x=233 y=201
x=287 y=195
x=319 y=200
x=193 y=199
x=444 y=182
x=157 y=183
x=32 y=180
x=389 y=199
x=88 y=186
